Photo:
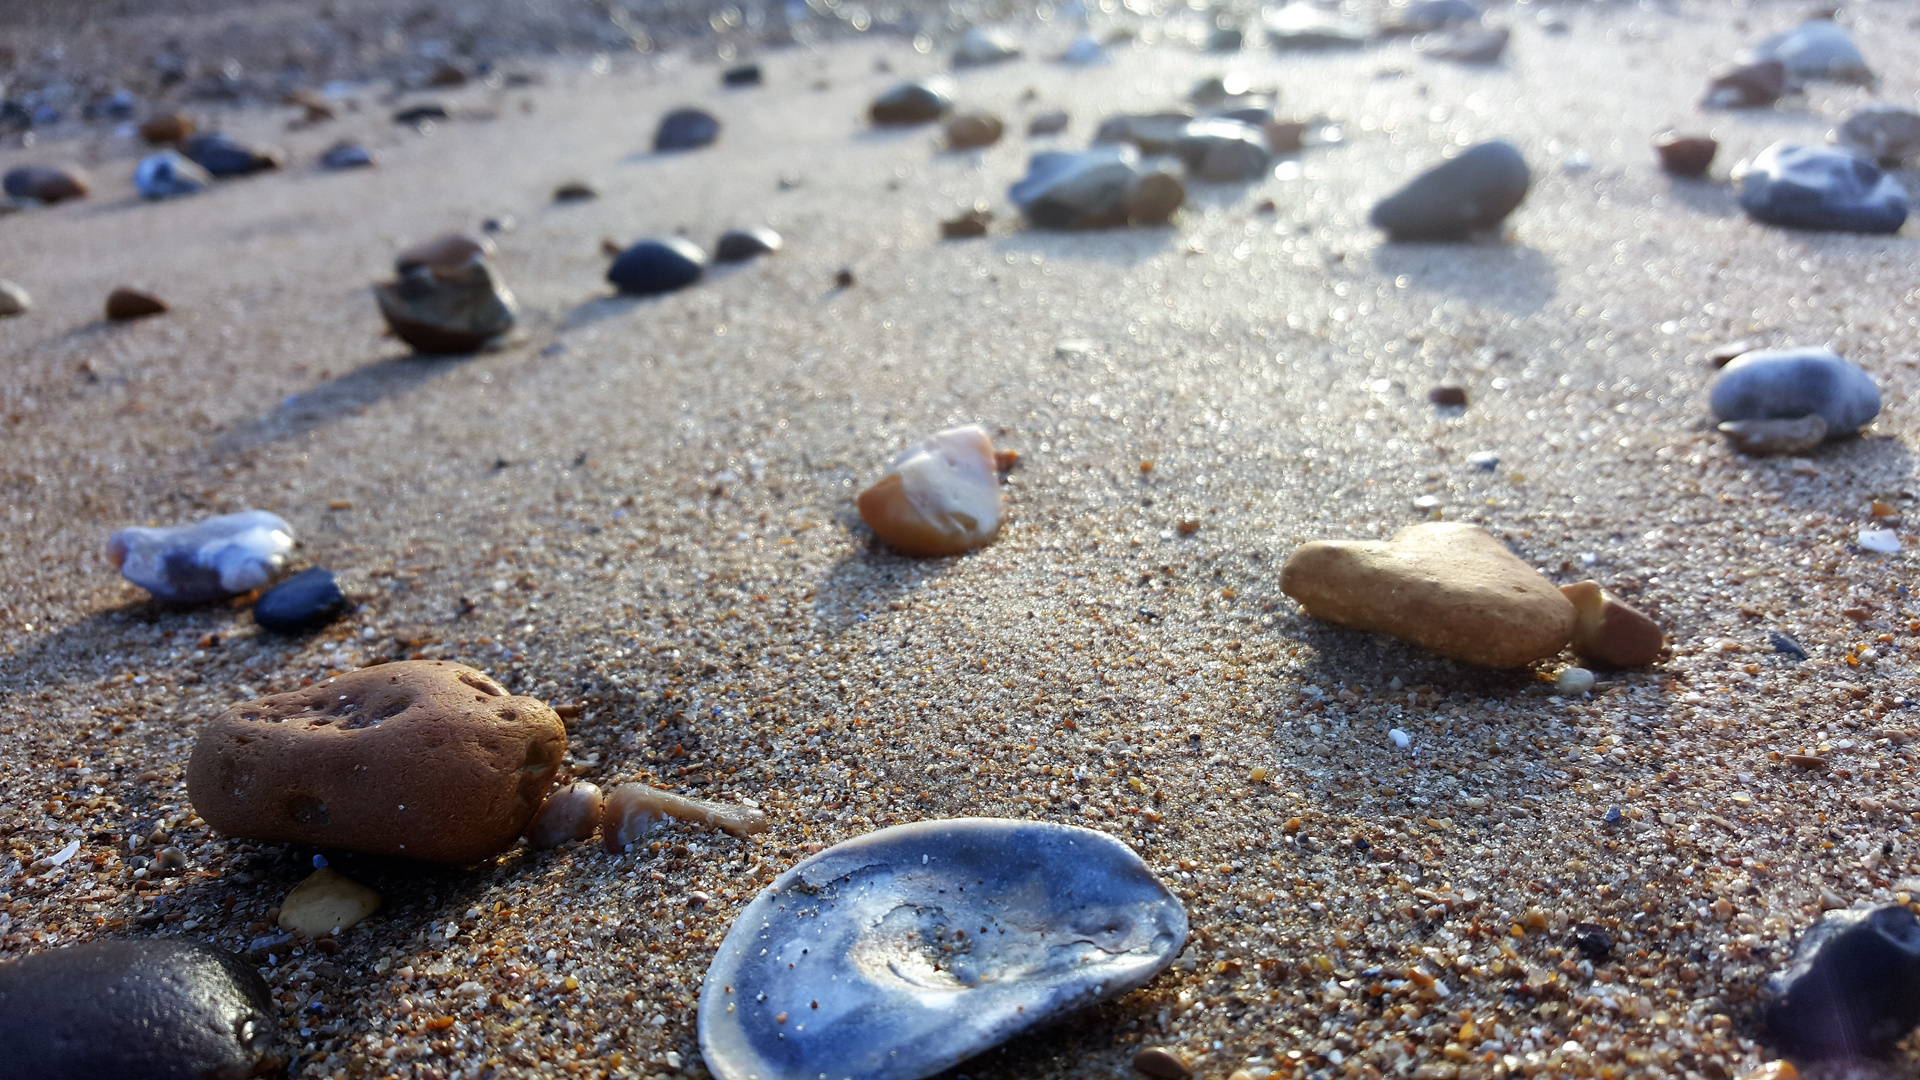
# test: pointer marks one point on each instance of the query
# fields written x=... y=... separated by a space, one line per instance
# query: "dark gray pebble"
x=1820 y=188
x=1785 y=645
x=224 y=157
x=657 y=266
x=306 y=601
x=154 y=1009
x=743 y=75
x=420 y=114
x=686 y=129
x=1452 y=200
x=739 y=245
x=910 y=103
x=346 y=155
x=1853 y=990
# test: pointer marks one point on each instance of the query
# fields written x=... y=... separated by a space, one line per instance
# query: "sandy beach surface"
x=643 y=510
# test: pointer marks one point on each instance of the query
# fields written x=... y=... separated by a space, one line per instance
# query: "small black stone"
x=165 y=1010
x=739 y=245
x=657 y=266
x=1783 y=644
x=306 y=601
x=744 y=75
x=686 y=129
x=224 y=157
x=419 y=114
x=1853 y=990
x=1593 y=941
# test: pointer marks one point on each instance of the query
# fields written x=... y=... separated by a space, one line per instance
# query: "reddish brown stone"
x=971 y=130
x=1610 y=632
x=47 y=183
x=421 y=759
x=167 y=128
x=1448 y=397
x=1689 y=156
x=124 y=303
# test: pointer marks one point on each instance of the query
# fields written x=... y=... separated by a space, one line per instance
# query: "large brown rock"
x=422 y=759
x=1441 y=585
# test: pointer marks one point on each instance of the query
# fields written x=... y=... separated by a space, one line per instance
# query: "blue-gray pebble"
x=686 y=129
x=651 y=267
x=1817 y=187
x=155 y=1009
x=1853 y=989
x=306 y=601
x=1452 y=200
x=224 y=157
x=167 y=175
x=1786 y=384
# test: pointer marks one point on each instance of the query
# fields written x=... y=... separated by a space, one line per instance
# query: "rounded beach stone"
x=1444 y=586
x=1786 y=384
x=1454 y=199
x=1819 y=188
x=1746 y=86
x=570 y=813
x=972 y=130
x=1610 y=631
x=421 y=759
x=739 y=245
x=447 y=309
x=1052 y=122
x=167 y=128
x=326 y=903
x=1817 y=49
x=978 y=47
x=13 y=300
x=940 y=496
x=1882 y=131
x=47 y=183
x=223 y=156
x=162 y=1009
x=1223 y=150
x=910 y=103
x=1161 y=1063
x=651 y=267
x=1688 y=156
x=224 y=555
x=686 y=129
x=124 y=303
x=346 y=154
x=306 y=601
x=1848 y=993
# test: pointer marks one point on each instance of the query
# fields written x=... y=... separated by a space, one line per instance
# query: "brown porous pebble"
x=971 y=130
x=167 y=128
x=326 y=903
x=443 y=252
x=1450 y=397
x=1688 y=156
x=1444 y=586
x=1761 y=438
x=570 y=813
x=971 y=224
x=124 y=303
x=47 y=183
x=422 y=759
x=1609 y=631
x=1162 y=1063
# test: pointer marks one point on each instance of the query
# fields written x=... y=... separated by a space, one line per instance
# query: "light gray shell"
x=895 y=955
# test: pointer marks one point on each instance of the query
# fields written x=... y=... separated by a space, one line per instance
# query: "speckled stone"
x=164 y=1009
x=651 y=267
x=1444 y=586
x=1823 y=189
x=1451 y=201
x=1786 y=384
x=421 y=759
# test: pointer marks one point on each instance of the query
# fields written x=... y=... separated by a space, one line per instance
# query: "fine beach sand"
x=643 y=509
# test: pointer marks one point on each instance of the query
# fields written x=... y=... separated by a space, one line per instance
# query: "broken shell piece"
x=1759 y=438
x=326 y=903
x=223 y=556
x=447 y=309
x=898 y=954
x=571 y=813
x=1609 y=630
x=939 y=497
x=631 y=810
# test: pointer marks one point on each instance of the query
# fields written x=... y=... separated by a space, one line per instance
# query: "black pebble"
x=420 y=114
x=1854 y=988
x=159 y=1010
x=657 y=266
x=1474 y=191
x=739 y=245
x=1593 y=941
x=1783 y=644
x=744 y=75
x=306 y=601
x=686 y=129
x=223 y=157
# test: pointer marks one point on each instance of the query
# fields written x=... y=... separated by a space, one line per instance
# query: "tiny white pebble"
x=1400 y=738
x=1573 y=682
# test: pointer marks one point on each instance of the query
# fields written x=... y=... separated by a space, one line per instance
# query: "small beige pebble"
x=326 y=903
x=1162 y=1063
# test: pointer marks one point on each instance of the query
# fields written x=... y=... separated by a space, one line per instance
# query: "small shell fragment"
x=631 y=809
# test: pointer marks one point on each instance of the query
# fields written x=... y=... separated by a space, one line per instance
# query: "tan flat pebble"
x=326 y=903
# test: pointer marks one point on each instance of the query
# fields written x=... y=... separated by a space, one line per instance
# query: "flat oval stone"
x=421 y=759
x=1454 y=199
x=222 y=556
x=1609 y=631
x=971 y=131
x=570 y=813
x=158 y=1009
x=1445 y=586
x=447 y=309
x=939 y=497
x=167 y=175
x=1223 y=150
x=1746 y=86
x=1814 y=187
x=686 y=129
x=911 y=103
x=223 y=156
x=327 y=902
x=898 y=954
x=1817 y=49
x=1786 y=384
x=739 y=245
x=651 y=267
x=1849 y=992
x=1887 y=133
x=306 y=601
x=47 y=183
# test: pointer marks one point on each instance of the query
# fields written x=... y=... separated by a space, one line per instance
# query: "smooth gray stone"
x=1223 y=150
x=898 y=954
x=1454 y=199
x=1064 y=189
x=1884 y=132
x=150 y=1009
x=686 y=129
x=1786 y=384
x=1815 y=187
x=1817 y=49
x=1152 y=133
